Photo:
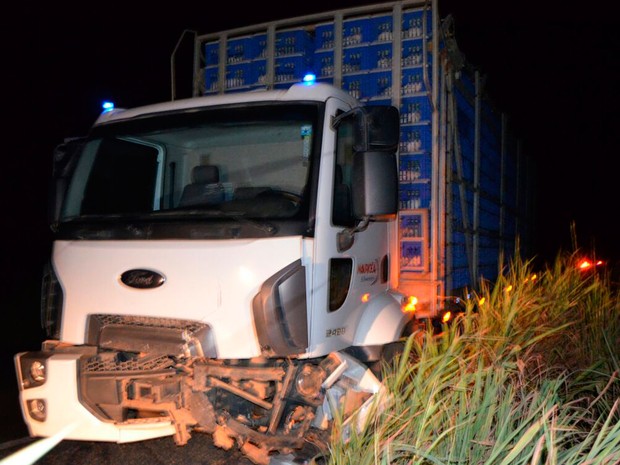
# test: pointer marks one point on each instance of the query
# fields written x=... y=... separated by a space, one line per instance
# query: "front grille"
x=150 y=335
x=121 y=363
x=147 y=321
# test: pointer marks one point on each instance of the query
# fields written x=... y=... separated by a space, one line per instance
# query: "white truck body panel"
x=206 y=281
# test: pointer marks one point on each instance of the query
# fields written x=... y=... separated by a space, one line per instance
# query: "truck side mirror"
x=377 y=129
x=374 y=187
x=376 y=133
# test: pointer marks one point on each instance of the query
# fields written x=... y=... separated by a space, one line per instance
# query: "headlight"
x=309 y=381
x=32 y=368
x=37 y=409
x=37 y=371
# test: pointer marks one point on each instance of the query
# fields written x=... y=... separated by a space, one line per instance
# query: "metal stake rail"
x=468 y=215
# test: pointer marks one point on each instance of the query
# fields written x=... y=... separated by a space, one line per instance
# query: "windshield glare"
x=251 y=161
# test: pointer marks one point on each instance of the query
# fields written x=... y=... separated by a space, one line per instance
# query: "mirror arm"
x=346 y=237
x=335 y=122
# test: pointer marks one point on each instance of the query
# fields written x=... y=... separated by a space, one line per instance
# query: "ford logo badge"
x=142 y=279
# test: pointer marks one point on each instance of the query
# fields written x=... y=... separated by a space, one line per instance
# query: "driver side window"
x=342 y=208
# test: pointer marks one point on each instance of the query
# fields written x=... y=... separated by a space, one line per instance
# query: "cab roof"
x=318 y=92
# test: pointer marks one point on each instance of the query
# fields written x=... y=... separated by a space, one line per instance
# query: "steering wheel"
x=295 y=198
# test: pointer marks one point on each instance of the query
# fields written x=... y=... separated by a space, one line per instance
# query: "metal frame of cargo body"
x=460 y=211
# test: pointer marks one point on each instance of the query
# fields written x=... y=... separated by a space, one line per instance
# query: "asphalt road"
x=198 y=451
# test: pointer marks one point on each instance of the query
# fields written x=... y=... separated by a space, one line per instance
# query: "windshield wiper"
x=238 y=216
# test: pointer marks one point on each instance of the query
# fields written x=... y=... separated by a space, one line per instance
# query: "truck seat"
x=205 y=188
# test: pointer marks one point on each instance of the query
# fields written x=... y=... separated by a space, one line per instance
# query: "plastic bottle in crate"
x=327 y=66
x=414 y=201
x=384 y=87
x=354 y=38
x=354 y=89
x=384 y=60
x=415 y=170
x=328 y=39
x=413 y=84
x=417 y=227
x=412 y=28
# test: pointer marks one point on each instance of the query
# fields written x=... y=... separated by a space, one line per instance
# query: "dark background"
x=552 y=68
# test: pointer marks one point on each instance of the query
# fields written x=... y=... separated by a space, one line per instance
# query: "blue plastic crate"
x=353 y=60
x=414 y=196
x=411 y=226
x=354 y=85
x=378 y=57
x=414 y=110
x=413 y=55
x=211 y=80
x=259 y=46
x=460 y=278
x=291 y=69
x=240 y=75
x=369 y=86
x=380 y=29
x=355 y=31
x=417 y=23
x=212 y=53
x=489 y=213
x=414 y=168
x=415 y=139
x=293 y=42
x=413 y=82
x=412 y=255
x=380 y=85
x=260 y=72
x=240 y=49
x=323 y=64
x=324 y=36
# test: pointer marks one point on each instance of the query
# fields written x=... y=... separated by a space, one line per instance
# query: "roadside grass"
x=529 y=374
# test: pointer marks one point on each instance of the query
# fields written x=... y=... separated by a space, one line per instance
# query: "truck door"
x=344 y=280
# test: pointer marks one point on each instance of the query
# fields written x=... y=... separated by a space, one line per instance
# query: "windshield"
x=251 y=162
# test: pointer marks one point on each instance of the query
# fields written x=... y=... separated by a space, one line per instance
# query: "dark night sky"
x=553 y=70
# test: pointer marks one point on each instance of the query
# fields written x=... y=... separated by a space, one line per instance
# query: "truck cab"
x=220 y=264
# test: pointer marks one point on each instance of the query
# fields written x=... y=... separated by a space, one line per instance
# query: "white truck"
x=233 y=263
x=220 y=264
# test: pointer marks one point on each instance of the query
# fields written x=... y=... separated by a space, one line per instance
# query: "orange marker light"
x=585 y=264
x=366 y=297
x=446 y=317
x=409 y=304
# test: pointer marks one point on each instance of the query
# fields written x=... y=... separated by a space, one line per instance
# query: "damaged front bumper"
x=264 y=407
